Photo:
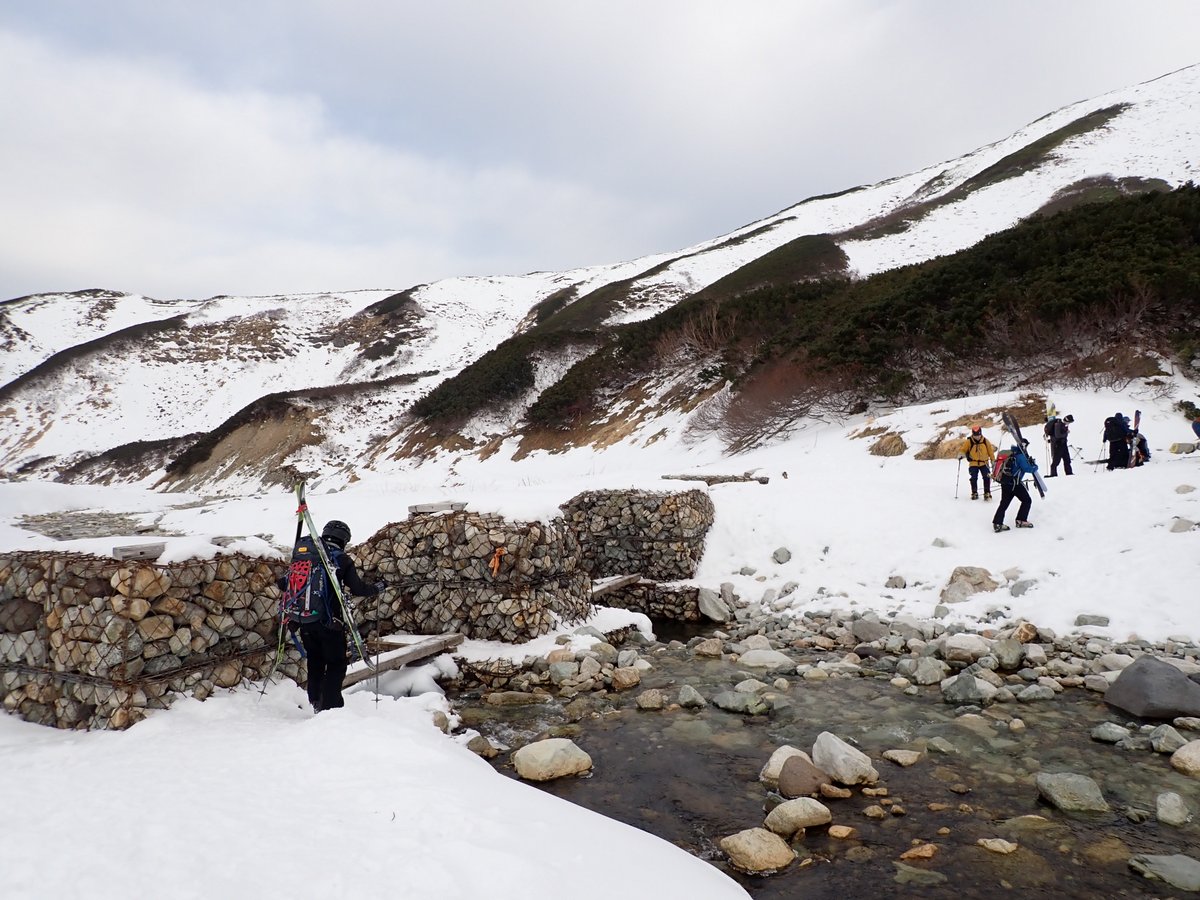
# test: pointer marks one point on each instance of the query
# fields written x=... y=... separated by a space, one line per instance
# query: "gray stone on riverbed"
x=906 y=874
x=1177 y=870
x=795 y=815
x=1165 y=739
x=690 y=698
x=1036 y=692
x=1110 y=732
x=1071 y=793
x=846 y=764
x=966 y=688
x=771 y=660
x=712 y=606
x=1171 y=809
x=744 y=704
x=1153 y=689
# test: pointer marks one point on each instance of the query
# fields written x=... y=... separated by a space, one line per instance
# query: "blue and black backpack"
x=309 y=597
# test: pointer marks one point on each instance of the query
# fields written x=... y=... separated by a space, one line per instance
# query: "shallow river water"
x=692 y=777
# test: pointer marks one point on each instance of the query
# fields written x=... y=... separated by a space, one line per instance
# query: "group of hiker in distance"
x=1127 y=449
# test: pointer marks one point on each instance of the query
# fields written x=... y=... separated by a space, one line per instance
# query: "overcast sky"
x=184 y=149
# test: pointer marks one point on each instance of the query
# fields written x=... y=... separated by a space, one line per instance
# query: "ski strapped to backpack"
x=1014 y=429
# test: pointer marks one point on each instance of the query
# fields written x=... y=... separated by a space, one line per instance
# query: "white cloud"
x=124 y=174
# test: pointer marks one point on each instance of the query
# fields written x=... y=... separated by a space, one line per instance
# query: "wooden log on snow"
x=599 y=589
x=406 y=653
x=710 y=480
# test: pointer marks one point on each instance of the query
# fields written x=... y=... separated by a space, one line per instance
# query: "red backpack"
x=998 y=468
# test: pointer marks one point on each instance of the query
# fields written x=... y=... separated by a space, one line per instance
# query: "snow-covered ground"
x=217 y=794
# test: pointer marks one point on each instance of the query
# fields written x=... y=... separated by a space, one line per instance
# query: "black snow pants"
x=1061 y=453
x=326 y=650
x=1009 y=488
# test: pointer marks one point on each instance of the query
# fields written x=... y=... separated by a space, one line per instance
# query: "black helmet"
x=337 y=531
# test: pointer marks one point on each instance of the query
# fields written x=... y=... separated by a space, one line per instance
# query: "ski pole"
x=957 y=478
x=1099 y=457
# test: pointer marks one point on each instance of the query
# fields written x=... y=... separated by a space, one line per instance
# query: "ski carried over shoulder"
x=305 y=517
x=1014 y=429
x=1134 y=453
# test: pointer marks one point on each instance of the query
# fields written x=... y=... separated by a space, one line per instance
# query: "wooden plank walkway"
x=407 y=649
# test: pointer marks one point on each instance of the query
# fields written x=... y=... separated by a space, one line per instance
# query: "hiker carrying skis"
x=1060 y=451
x=980 y=454
x=1017 y=464
x=1116 y=433
x=324 y=639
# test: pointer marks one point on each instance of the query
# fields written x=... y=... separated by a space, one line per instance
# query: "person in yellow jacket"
x=980 y=454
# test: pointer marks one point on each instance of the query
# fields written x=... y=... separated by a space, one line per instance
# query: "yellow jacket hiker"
x=980 y=453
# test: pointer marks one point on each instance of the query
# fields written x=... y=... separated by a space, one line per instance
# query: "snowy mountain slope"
x=227 y=352
x=32 y=329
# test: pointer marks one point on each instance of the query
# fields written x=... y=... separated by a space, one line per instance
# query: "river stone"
x=965 y=688
x=929 y=671
x=903 y=758
x=998 y=845
x=965 y=647
x=550 y=759
x=757 y=851
x=1071 y=793
x=965 y=581
x=1083 y=620
x=782 y=555
x=744 y=704
x=1187 y=759
x=651 y=699
x=1036 y=692
x=906 y=874
x=867 y=630
x=1165 y=739
x=1177 y=870
x=625 y=678
x=843 y=762
x=798 y=777
x=1153 y=689
x=769 y=774
x=769 y=659
x=1171 y=809
x=794 y=816
x=712 y=606
x=1110 y=732
x=711 y=647
x=690 y=698
x=1008 y=653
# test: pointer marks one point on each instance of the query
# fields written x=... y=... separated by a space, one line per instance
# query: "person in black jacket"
x=1116 y=433
x=325 y=643
x=1057 y=431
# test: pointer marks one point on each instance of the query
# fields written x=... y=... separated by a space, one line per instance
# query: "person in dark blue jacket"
x=1016 y=466
x=1196 y=427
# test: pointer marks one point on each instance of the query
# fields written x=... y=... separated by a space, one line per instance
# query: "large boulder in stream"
x=550 y=759
x=1152 y=689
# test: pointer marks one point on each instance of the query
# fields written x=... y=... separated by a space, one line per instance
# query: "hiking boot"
x=974 y=495
x=999 y=526
x=987 y=495
x=1021 y=523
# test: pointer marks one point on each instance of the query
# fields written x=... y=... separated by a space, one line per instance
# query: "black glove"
x=379 y=586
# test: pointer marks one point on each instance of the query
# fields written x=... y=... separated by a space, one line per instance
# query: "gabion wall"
x=477 y=575
x=679 y=603
x=657 y=534
x=89 y=641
